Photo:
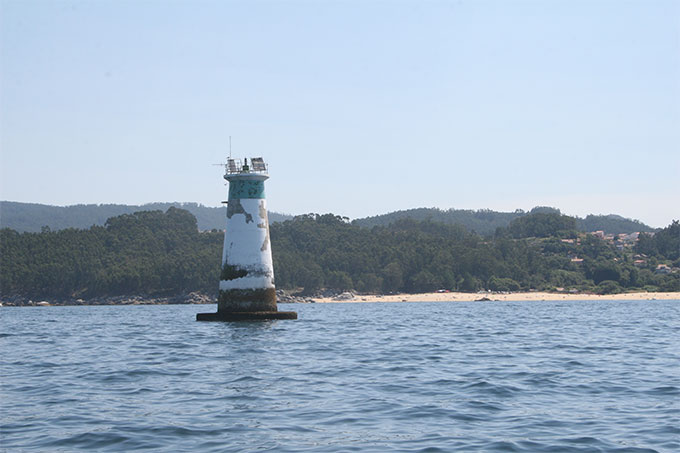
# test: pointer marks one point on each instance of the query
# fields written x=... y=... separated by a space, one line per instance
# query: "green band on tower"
x=246 y=188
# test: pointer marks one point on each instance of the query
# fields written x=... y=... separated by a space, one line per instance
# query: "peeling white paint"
x=243 y=245
x=247 y=282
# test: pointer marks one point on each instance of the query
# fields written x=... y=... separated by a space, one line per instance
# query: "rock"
x=344 y=296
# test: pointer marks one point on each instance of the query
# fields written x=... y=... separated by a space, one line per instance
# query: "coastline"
x=199 y=298
x=490 y=296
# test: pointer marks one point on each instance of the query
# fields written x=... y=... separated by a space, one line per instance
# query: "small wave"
x=502 y=446
x=170 y=431
x=574 y=363
x=155 y=372
x=484 y=406
x=91 y=440
x=494 y=389
x=245 y=379
x=665 y=390
x=582 y=440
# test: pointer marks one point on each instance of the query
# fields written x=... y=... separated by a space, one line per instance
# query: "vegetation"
x=32 y=217
x=611 y=224
x=148 y=252
x=541 y=251
x=664 y=244
x=540 y=225
x=485 y=222
x=155 y=252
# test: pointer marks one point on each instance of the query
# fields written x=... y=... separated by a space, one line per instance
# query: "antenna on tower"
x=230 y=147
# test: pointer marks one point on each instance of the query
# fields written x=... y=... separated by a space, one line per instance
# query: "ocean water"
x=492 y=377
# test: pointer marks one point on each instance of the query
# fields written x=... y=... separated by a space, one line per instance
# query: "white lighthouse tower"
x=247 y=288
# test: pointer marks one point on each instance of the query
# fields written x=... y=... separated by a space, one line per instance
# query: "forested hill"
x=32 y=217
x=611 y=224
x=155 y=252
x=485 y=222
x=481 y=221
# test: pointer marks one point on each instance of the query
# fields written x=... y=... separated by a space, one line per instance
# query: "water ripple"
x=499 y=377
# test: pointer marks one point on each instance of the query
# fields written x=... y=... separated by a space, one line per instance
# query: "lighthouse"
x=247 y=290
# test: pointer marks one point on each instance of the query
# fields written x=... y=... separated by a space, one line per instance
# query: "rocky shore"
x=282 y=296
x=141 y=299
x=190 y=298
x=287 y=297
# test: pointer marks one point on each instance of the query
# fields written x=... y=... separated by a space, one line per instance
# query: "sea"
x=562 y=376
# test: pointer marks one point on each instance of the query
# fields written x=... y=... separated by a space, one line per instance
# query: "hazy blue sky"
x=360 y=107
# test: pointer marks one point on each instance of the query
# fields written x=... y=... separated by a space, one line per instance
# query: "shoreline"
x=498 y=297
x=198 y=298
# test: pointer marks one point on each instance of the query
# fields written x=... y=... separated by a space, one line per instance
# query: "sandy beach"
x=466 y=297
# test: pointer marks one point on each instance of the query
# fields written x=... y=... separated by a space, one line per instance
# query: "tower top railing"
x=238 y=166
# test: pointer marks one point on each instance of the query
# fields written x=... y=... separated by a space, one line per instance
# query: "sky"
x=359 y=107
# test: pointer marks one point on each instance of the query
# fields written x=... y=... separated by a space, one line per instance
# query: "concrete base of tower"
x=246 y=316
x=246 y=300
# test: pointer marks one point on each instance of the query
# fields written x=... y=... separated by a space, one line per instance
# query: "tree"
x=339 y=280
x=540 y=224
x=393 y=277
x=423 y=282
x=502 y=284
x=608 y=287
x=605 y=270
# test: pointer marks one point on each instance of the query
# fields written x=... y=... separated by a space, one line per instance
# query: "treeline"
x=665 y=243
x=32 y=217
x=542 y=251
x=155 y=252
x=485 y=222
x=148 y=252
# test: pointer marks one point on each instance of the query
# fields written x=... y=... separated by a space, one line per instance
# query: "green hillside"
x=155 y=252
x=32 y=217
x=485 y=222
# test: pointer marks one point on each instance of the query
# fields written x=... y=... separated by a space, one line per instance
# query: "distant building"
x=662 y=269
x=632 y=237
